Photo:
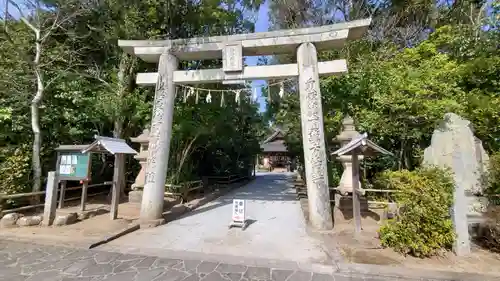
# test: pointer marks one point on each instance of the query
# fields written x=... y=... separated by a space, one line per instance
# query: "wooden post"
x=116 y=188
x=86 y=183
x=356 y=206
x=2 y=202
x=84 y=195
x=49 y=211
x=61 y=194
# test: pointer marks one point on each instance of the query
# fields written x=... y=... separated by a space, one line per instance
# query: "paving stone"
x=125 y=266
x=322 y=277
x=127 y=257
x=51 y=275
x=10 y=271
x=347 y=278
x=213 y=276
x=77 y=279
x=146 y=263
x=38 y=263
x=191 y=265
x=168 y=263
x=232 y=276
x=14 y=278
x=280 y=274
x=4 y=257
x=149 y=274
x=62 y=264
x=78 y=266
x=79 y=254
x=97 y=270
x=123 y=276
x=192 y=277
x=172 y=275
x=206 y=267
x=105 y=257
x=33 y=257
x=300 y=276
x=258 y=273
x=31 y=268
x=8 y=262
x=234 y=268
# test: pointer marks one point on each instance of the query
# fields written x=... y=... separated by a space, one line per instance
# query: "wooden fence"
x=4 y=197
x=302 y=192
x=182 y=190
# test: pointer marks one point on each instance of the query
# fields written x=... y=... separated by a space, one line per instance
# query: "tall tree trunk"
x=35 y=117
x=123 y=76
x=185 y=153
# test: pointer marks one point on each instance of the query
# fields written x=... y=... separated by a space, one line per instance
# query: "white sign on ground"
x=238 y=218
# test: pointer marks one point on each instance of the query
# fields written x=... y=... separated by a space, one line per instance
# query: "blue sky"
x=262 y=24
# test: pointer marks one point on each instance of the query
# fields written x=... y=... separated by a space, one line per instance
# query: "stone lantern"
x=135 y=196
x=355 y=148
x=346 y=135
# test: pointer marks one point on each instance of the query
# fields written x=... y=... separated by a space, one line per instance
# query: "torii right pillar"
x=313 y=138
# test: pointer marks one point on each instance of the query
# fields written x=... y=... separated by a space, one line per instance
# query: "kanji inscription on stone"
x=232 y=58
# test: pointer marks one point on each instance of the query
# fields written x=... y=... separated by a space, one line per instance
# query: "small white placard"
x=232 y=57
x=238 y=210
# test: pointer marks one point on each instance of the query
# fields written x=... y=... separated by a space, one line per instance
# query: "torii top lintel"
x=252 y=44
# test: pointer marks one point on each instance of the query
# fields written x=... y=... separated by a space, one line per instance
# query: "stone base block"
x=344 y=203
x=151 y=223
x=135 y=196
x=70 y=218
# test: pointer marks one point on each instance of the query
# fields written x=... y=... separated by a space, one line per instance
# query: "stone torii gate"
x=304 y=42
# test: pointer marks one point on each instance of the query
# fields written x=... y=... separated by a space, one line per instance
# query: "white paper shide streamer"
x=251 y=93
x=209 y=97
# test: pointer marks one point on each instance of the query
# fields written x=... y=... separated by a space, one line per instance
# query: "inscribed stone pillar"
x=49 y=211
x=159 y=142
x=313 y=136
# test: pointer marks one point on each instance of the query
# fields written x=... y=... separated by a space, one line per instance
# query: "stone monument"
x=135 y=196
x=454 y=146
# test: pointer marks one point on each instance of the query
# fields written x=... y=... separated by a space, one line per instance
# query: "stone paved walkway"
x=277 y=230
x=28 y=262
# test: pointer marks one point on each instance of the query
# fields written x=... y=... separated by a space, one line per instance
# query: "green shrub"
x=492 y=177
x=491 y=229
x=15 y=170
x=423 y=227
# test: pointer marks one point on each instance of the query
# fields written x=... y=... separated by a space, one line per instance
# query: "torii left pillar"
x=313 y=138
x=159 y=143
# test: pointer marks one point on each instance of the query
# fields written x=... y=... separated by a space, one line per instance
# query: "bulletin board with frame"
x=72 y=164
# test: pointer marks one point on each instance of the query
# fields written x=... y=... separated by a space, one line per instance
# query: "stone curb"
x=116 y=235
x=412 y=273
